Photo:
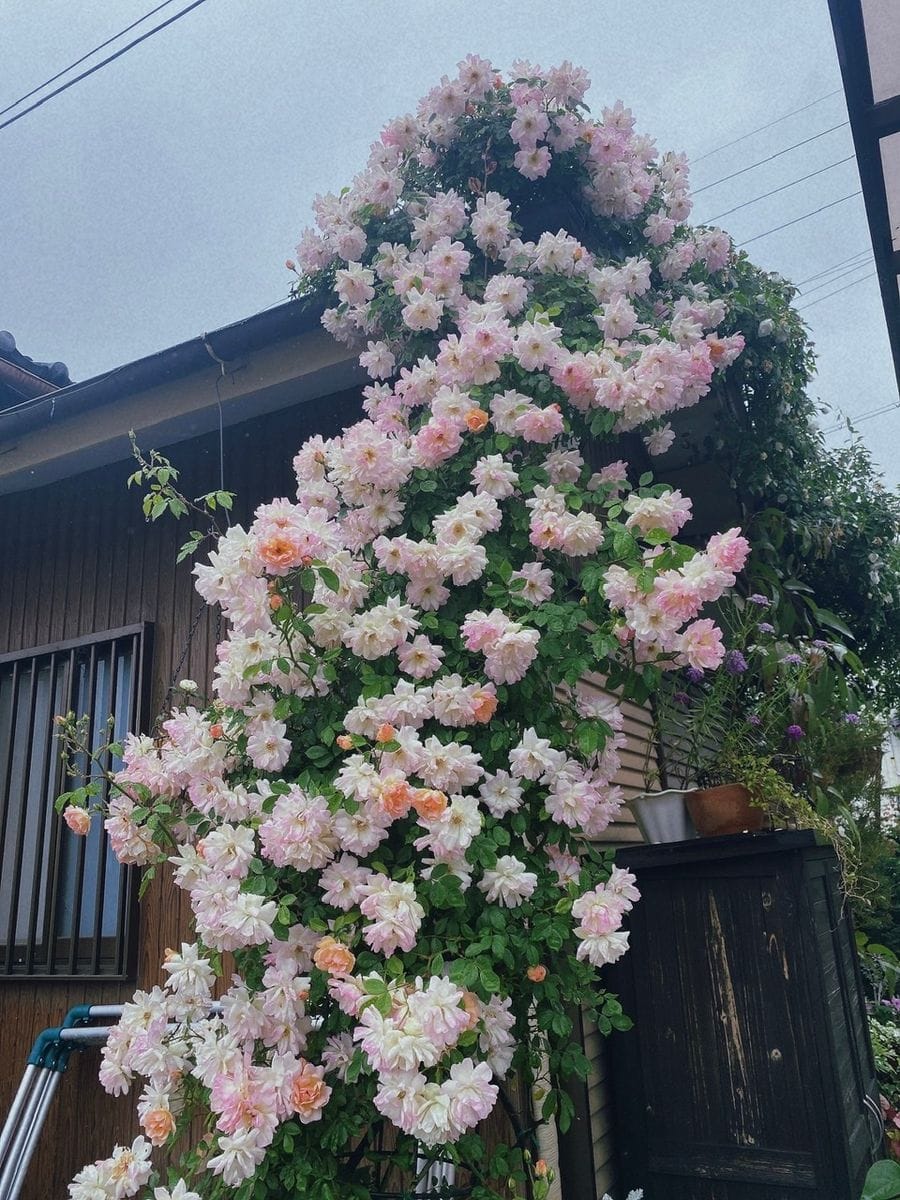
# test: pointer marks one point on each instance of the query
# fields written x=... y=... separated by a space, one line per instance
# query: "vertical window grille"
x=67 y=907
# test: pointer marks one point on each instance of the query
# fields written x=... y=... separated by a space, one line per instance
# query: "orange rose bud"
x=333 y=957
x=476 y=419
x=485 y=706
x=275 y=602
x=541 y=1170
x=216 y=731
x=429 y=803
x=278 y=551
x=396 y=798
x=472 y=1005
x=537 y=974
x=309 y=1092
x=158 y=1123
x=345 y=741
x=386 y=733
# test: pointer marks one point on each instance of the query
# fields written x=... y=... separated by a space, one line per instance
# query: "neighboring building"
x=96 y=617
x=867 y=36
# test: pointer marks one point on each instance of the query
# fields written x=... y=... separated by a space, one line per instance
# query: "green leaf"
x=329 y=578
x=827 y=617
x=882 y=1181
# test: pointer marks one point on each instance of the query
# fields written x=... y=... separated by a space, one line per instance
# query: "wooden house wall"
x=76 y=557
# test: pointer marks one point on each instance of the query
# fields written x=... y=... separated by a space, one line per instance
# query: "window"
x=67 y=908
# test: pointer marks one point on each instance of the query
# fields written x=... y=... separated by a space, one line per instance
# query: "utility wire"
x=770 y=158
x=775 y=191
x=834 y=266
x=760 y=128
x=796 y=220
x=828 y=295
x=866 y=416
x=840 y=275
x=103 y=62
x=78 y=61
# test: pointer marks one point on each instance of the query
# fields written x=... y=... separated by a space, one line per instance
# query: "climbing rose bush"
x=390 y=814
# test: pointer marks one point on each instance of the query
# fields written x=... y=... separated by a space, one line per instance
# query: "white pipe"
x=86 y=1035
x=437 y=1174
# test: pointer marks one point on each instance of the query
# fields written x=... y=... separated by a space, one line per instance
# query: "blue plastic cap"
x=76 y=1015
x=42 y=1050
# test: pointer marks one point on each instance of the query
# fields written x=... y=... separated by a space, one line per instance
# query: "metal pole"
x=9 y=1171
x=33 y=1134
x=105 y=1010
x=18 y=1104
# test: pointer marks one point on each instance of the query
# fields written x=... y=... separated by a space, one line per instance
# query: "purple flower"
x=820 y=645
x=851 y=718
x=754 y=720
x=795 y=732
x=735 y=663
x=694 y=674
x=681 y=698
x=765 y=627
x=793 y=660
x=762 y=601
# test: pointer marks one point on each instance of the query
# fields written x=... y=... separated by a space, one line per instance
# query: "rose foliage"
x=388 y=813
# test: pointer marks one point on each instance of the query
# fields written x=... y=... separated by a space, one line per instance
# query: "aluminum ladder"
x=47 y=1062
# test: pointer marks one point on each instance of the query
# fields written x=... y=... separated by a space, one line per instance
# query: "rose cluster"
x=388 y=813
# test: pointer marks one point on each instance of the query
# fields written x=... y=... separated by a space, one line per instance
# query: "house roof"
x=22 y=379
x=224 y=345
x=867 y=35
x=269 y=360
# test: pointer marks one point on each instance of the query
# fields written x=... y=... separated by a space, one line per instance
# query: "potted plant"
x=742 y=741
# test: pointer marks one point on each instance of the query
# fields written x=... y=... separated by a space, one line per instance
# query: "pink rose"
x=78 y=820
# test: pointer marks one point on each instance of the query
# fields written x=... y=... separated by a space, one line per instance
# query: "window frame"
x=51 y=954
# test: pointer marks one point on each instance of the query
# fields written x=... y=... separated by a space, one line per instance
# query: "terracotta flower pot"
x=721 y=810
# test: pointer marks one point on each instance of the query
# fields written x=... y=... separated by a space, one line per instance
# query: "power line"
x=760 y=128
x=78 y=61
x=828 y=295
x=103 y=62
x=840 y=275
x=777 y=154
x=796 y=220
x=834 y=266
x=775 y=191
x=866 y=416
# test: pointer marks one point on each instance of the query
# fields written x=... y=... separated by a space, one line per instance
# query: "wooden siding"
x=78 y=558
x=635 y=756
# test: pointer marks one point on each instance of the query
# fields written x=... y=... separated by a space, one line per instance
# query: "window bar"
x=128 y=921
x=100 y=889
x=37 y=889
x=10 y=729
x=75 y=932
x=20 y=833
x=69 y=690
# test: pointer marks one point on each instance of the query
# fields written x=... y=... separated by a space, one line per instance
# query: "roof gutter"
x=223 y=345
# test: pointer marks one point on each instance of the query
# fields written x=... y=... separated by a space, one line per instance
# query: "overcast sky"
x=158 y=199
